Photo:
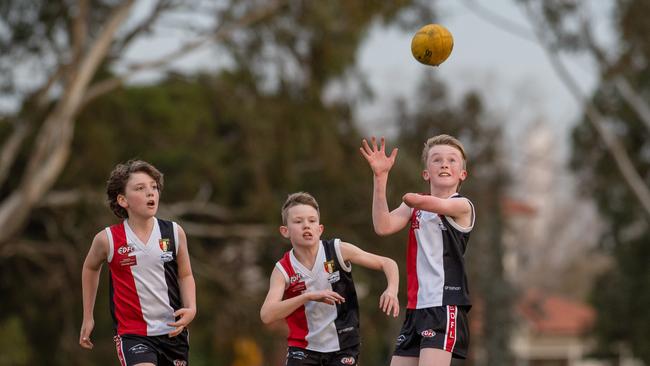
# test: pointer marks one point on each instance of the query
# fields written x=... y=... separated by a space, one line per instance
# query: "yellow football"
x=432 y=44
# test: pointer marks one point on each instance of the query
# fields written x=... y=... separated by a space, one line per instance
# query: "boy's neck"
x=140 y=223
x=306 y=255
x=443 y=192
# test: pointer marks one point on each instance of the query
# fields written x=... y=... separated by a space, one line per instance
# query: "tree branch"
x=52 y=145
x=105 y=86
x=616 y=149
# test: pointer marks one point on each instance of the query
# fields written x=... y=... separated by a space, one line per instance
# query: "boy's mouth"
x=444 y=174
x=307 y=235
x=151 y=203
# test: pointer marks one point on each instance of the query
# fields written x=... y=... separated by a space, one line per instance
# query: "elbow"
x=381 y=231
x=266 y=317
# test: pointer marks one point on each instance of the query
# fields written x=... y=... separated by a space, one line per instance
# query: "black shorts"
x=160 y=350
x=441 y=327
x=303 y=357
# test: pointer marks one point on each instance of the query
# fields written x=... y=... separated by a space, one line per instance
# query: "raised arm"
x=458 y=209
x=274 y=308
x=187 y=286
x=388 y=301
x=384 y=221
x=89 y=282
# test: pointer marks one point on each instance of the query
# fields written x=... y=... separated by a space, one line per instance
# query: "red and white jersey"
x=435 y=266
x=144 y=290
x=317 y=326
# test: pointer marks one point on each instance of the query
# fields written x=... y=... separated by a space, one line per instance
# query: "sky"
x=512 y=73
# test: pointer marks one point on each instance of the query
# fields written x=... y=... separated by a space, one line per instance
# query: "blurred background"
x=241 y=102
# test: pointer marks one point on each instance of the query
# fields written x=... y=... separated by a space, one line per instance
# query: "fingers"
x=176 y=331
x=85 y=342
x=393 y=154
x=389 y=304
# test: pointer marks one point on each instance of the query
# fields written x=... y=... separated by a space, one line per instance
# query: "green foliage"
x=243 y=139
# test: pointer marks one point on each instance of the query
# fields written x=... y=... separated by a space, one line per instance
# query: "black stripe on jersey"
x=111 y=303
x=171 y=267
x=456 y=290
x=347 y=320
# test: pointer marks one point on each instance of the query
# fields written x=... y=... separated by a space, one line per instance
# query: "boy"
x=436 y=326
x=311 y=287
x=152 y=291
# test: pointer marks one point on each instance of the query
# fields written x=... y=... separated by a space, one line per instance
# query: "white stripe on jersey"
x=430 y=267
x=322 y=335
x=149 y=275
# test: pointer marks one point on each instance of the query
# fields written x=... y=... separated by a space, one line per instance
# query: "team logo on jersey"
x=415 y=223
x=334 y=277
x=347 y=361
x=295 y=278
x=164 y=244
x=125 y=249
x=329 y=266
x=428 y=333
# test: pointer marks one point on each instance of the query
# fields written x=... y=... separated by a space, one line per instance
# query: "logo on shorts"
x=401 y=339
x=180 y=363
x=297 y=355
x=347 y=360
x=428 y=333
x=139 y=348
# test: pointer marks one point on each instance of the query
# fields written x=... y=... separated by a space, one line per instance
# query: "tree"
x=618 y=96
x=61 y=143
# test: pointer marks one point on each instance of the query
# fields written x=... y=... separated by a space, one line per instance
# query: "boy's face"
x=445 y=167
x=140 y=196
x=303 y=226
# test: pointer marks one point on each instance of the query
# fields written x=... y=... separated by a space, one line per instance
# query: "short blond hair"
x=443 y=140
x=295 y=199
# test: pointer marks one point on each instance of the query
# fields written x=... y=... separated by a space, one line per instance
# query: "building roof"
x=554 y=315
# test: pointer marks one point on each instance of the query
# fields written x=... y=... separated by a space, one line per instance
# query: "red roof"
x=555 y=315
x=515 y=207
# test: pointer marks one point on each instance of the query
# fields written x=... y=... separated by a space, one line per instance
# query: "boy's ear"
x=284 y=231
x=121 y=200
x=463 y=175
x=425 y=175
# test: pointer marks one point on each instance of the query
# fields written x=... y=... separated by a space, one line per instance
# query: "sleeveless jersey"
x=144 y=290
x=435 y=266
x=317 y=326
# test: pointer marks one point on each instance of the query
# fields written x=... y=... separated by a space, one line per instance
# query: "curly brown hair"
x=120 y=175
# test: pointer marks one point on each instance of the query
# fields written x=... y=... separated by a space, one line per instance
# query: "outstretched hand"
x=326 y=296
x=376 y=156
x=388 y=302
x=186 y=315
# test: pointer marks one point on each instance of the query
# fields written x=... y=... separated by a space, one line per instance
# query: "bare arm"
x=274 y=308
x=92 y=266
x=186 y=283
x=458 y=209
x=388 y=302
x=384 y=221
